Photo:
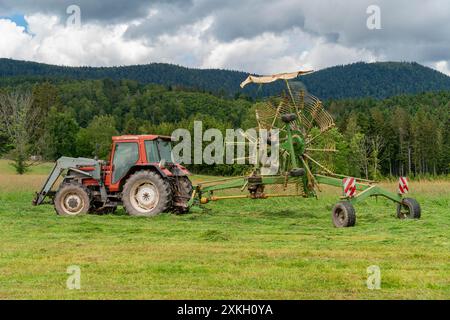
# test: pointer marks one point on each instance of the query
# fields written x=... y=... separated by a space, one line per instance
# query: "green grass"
x=239 y=249
x=41 y=168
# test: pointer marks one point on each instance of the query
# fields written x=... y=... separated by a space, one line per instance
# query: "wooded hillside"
x=406 y=134
x=378 y=80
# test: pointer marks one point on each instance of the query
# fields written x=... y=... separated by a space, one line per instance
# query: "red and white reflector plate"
x=403 y=185
x=349 y=186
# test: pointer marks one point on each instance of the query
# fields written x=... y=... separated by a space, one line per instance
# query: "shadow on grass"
x=289 y=213
x=215 y=235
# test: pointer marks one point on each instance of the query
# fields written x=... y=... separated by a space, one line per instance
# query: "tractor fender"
x=164 y=173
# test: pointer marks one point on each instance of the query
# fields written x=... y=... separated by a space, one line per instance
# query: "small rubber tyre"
x=72 y=200
x=146 y=194
x=408 y=209
x=343 y=215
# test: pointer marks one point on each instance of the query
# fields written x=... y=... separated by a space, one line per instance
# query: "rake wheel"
x=307 y=119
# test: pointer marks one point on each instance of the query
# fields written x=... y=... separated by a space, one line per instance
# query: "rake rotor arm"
x=203 y=193
x=241 y=181
x=367 y=189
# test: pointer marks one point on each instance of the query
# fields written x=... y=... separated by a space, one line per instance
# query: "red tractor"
x=140 y=175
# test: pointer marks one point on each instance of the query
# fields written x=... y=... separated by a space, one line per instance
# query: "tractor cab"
x=136 y=152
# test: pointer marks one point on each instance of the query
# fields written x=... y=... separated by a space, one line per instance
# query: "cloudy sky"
x=251 y=35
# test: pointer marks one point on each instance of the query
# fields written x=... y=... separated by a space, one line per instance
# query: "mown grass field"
x=240 y=249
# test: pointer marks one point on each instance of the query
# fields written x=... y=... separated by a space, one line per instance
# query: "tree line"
x=401 y=135
x=379 y=79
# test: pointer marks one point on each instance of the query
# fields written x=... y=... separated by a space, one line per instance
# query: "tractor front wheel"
x=146 y=193
x=343 y=214
x=408 y=209
x=72 y=199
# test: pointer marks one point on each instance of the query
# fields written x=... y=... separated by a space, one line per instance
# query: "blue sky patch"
x=18 y=19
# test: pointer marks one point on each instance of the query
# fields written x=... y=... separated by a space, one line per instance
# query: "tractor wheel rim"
x=145 y=197
x=404 y=212
x=72 y=203
x=340 y=216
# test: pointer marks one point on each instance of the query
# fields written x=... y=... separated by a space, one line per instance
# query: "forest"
x=378 y=80
x=376 y=138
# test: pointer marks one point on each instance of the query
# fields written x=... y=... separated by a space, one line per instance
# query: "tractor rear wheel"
x=72 y=199
x=408 y=209
x=182 y=194
x=343 y=214
x=147 y=194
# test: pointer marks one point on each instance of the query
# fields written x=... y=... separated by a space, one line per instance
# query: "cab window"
x=152 y=151
x=126 y=154
x=157 y=150
x=165 y=150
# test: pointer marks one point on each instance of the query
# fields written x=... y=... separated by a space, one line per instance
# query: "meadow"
x=284 y=248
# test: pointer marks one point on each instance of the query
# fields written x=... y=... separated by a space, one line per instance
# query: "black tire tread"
x=186 y=186
x=349 y=211
x=70 y=185
x=413 y=207
x=163 y=186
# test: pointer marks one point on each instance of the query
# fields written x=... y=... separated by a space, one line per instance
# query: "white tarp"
x=272 y=78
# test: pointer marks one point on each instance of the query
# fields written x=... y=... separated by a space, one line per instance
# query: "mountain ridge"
x=359 y=79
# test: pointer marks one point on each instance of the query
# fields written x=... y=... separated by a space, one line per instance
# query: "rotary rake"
x=297 y=123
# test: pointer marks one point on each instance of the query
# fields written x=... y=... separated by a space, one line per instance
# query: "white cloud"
x=257 y=55
x=50 y=41
x=442 y=66
x=324 y=54
x=292 y=50
x=14 y=41
x=254 y=36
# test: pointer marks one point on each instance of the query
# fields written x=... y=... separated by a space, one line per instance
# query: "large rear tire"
x=343 y=215
x=408 y=209
x=146 y=194
x=182 y=194
x=72 y=199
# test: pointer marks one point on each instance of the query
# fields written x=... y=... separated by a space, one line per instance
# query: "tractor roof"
x=141 y=137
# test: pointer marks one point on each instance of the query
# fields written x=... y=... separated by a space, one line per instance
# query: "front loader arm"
x=62 y=164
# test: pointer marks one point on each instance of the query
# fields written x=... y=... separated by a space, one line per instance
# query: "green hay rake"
x=302 y=122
